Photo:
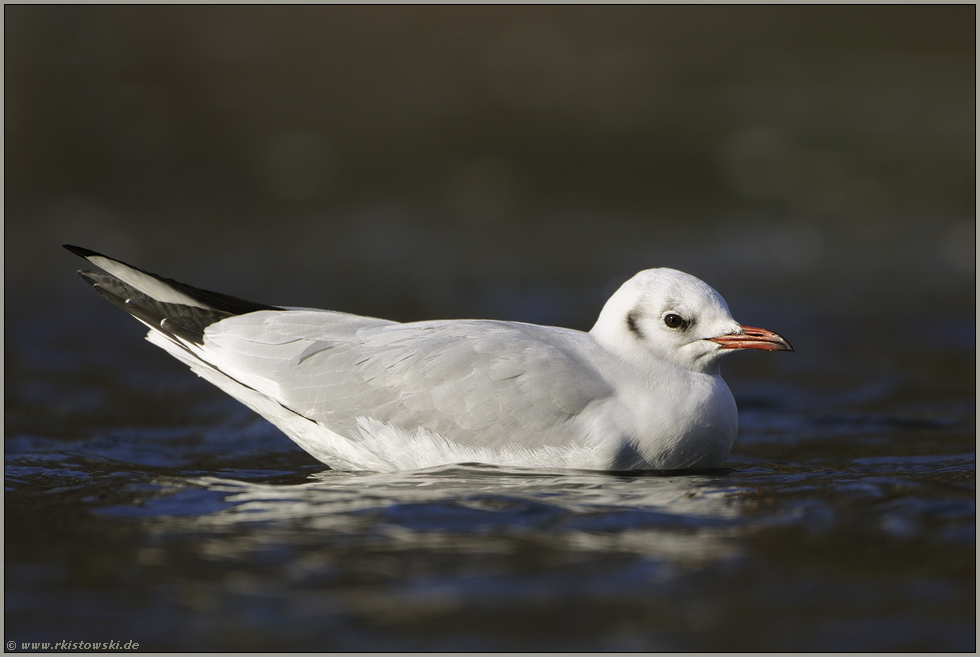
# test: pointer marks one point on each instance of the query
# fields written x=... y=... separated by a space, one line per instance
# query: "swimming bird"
x=641 y=391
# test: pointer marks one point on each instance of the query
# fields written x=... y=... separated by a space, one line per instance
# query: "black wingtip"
x=87 y=276
x=80 y=251
x=214 y=301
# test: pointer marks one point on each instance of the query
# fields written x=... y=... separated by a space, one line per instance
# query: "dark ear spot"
x=632 y=317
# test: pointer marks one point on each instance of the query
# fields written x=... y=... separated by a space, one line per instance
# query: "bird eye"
x=673 y=320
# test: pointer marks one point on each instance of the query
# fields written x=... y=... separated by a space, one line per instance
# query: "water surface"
x=143 y=505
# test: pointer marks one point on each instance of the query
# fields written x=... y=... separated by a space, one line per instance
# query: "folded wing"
x=479 y=383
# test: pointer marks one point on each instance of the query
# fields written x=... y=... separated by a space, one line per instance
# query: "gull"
x=641 y=391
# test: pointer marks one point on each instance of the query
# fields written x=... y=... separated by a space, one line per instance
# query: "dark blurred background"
x=508 y=162
x=814 y=164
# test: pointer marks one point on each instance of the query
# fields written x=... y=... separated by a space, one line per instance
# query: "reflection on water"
x=267 y=550
x=680 y=518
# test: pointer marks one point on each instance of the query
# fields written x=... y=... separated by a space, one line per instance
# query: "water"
x=141 y=504
x=816 y=165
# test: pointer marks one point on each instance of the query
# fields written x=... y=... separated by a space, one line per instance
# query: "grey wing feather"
x=478 y=383
x=259 y=345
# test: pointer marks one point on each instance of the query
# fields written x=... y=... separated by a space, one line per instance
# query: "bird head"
x=674 y=317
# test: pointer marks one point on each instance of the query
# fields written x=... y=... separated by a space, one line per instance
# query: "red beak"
x=754 y=338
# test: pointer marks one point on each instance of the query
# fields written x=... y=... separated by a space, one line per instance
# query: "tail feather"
x=163 y=304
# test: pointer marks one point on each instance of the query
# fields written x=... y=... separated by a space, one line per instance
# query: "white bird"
x=641 y=391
